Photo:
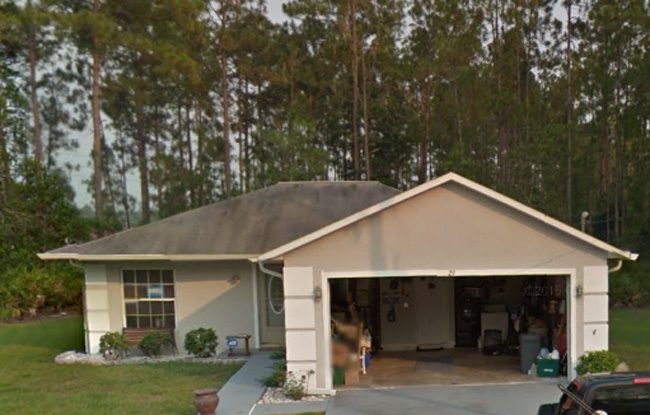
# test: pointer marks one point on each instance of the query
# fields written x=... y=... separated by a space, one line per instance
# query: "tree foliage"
x=545 y=101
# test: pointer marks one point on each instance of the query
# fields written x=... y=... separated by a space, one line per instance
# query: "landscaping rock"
x=276 y=395
x=622 y=367
x=72 y=357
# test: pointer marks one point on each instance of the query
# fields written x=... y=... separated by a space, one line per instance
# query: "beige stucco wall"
x=447 y=228
x=205 y=297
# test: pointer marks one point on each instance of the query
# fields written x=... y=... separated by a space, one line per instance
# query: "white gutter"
x=144 y=257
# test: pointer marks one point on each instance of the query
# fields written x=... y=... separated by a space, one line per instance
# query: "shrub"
x=113 y=345
x=597 y=362
x=630 y=289
x=27 y=290
x=201 y=342
x=279 y=375
x=152 y=343
x=294 y=387
x=279 y=354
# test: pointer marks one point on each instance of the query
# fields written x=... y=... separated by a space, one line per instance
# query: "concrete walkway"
x=517 y=399
x=245 y=388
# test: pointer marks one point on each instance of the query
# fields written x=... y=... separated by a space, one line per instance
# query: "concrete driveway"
x=511 y=399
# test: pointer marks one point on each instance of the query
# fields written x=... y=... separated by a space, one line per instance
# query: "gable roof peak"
x=612 y=251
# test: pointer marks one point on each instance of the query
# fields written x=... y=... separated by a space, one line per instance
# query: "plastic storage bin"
x=548 y=368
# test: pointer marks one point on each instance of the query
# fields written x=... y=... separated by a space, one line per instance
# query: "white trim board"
x=451 y=273
x=612 y=251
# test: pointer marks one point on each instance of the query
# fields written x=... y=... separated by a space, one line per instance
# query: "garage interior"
x=446 y=330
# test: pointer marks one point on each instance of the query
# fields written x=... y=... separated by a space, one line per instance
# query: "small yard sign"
x=232 y=342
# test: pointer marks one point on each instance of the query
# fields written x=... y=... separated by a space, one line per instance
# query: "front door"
x=271 y=312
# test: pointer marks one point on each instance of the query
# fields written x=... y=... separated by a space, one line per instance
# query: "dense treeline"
x=545 y=100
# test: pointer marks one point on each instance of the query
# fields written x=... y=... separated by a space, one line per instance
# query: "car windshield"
x=623 y=400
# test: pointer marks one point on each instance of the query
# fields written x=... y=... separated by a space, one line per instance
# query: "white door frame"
x=570 y=272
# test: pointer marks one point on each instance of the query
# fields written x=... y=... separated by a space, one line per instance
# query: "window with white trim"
x=149 y=298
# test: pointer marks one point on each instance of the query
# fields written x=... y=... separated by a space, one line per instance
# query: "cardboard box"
x=352 y=376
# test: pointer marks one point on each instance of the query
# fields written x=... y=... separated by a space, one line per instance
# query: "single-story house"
x=278 y=262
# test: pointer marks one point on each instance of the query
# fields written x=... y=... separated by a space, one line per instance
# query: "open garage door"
x=418 y=330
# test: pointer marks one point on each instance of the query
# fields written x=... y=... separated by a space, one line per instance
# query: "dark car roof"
x=600 y=379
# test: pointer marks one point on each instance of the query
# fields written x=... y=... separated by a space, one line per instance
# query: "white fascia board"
x=612 y=251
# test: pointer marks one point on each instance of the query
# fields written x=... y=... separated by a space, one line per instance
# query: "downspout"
x=273 y=274
x=76 y=265
x=616 y=267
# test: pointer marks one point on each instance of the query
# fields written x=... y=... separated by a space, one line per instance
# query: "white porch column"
x=595 y=308
x=96 y=310
x=300 y=323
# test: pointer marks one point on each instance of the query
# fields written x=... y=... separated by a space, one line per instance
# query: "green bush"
x=597 y=362
x=113 y=345
x=152 y=343
x=295 y=387
x=279 y=375
x=31 y=291
x=279 y=354
x=201 y=342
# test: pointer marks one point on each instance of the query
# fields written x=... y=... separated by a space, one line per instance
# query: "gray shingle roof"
x=249 y=224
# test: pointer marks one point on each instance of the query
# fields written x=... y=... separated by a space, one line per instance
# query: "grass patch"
x=31 y=383
x=629 y=334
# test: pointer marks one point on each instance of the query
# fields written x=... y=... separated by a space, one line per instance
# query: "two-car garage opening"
x=418 y=330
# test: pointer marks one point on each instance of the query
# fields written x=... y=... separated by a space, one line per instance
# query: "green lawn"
x=629 y=334
x=30 y=383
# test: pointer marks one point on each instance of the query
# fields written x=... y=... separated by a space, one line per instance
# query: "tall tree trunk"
x=4 y=168
x=423 y=145
x=159 y=168
x=569 y=165
x=108 y=185
x=225 y=103
x=180 y=143
x=260 y=172
x=240 y=135
x=143 y=166
x=498 y=111
x=190 y=156
x=97 y=133
x=32 y=59
x=459 y=121
x=247 y=161
x=125 y=190
x=366 y=118
x=199 y=154
x=355 y=89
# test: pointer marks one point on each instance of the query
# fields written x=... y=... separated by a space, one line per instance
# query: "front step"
x=271 y=347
